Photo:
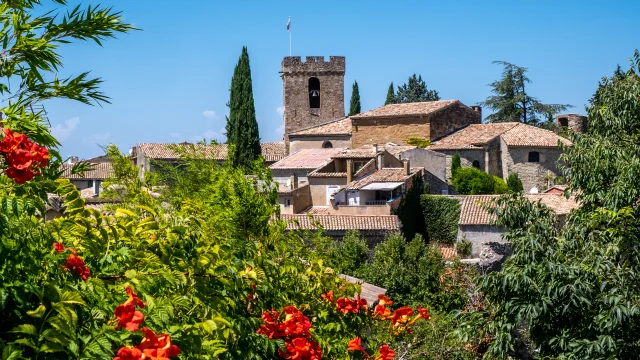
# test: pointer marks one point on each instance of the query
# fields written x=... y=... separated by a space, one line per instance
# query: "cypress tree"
x=514 y=184
x=391 y=96
x=354 y=107
x=455 y=164
x=242 y=126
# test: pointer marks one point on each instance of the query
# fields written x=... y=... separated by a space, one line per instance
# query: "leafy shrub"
x=471 y=181
x=419 y=142
x=464 y=247
x=441 y=216
x=409 y=210
x=348 y=255
x=514 y=184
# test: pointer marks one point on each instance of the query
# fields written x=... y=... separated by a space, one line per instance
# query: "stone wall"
x=316 y=142
x=478 y=235
x=532 y=174
x=451 y=118
x=382 y=131
x=575 y=122
x=295 y=85
x=467 y=157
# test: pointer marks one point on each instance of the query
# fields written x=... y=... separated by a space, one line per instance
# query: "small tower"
x=575 y=122
x=313 y=91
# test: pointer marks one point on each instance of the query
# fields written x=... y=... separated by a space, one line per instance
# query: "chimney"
x=294 y=182
x=477 y=109
x=407 y=167
x=349 y=171
x=380 y=160
x=73 y=159
x=375 y=147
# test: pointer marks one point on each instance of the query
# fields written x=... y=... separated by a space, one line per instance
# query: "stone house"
x=397 y=122
x=476 y=224
x=147 y=155
x=91 y=179
x=502 y=148
x=333 y=134
x=434 y=164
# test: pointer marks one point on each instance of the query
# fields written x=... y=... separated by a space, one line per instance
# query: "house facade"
x=89 y=181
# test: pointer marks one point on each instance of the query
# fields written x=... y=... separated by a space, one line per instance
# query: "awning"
x=382 y=186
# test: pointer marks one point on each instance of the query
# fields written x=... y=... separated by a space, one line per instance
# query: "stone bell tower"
x=313 y=91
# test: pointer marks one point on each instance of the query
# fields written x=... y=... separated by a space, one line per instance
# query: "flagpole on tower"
x=289 y=30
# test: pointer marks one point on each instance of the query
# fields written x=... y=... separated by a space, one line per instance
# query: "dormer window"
x=314 y=93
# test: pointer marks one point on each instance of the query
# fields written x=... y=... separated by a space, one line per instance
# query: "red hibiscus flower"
x=128 y=317
x=424 y=313
x=126 y=353
x=134 y=299
x=386 y=353
x=401 y=315
x=76 y=264
x=355 y=345
x=58 y=247
x=328 y=296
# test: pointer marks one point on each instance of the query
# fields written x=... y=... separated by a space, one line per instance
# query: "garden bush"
x=471 y=181
x=441 y=216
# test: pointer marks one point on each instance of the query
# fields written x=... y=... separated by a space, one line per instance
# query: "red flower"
x=386 y=353
x=401 y=315
x=20 y=176
x=10 y=142
x=384 y=300
x=424 y=313
x=134 y=299
x=157 y=347
x=58 y=246
x=296 y=324
x=76 y=264
x=328 y=296
x=354 y=345
x=381 y=312
x=350 y=305
x=128 y=317
x=270 y=328
x=249 y=297
x=301 y=348
x=126 y=353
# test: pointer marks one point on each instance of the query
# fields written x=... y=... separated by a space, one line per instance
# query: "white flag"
x=289 y=24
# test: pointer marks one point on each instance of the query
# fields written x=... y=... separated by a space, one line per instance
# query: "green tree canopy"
x=455 y=164
x=242 y=126
x=391 y=96
x=514 y=184
x=354 y=107
x=575 y=289
x=415 y=90
x=512 y=103
x=471 y=181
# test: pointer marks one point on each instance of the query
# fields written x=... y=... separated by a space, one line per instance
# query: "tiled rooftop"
x=100 y=171
x=306 y=159
x=317 y=210
x=335 y=127
x=383 y=175
x=448 y=252
x=341 y=222
x=472 y=211
x=363 y=152
x=271 y=151
x=406 y=109
x=394 y=149
x=475 y=136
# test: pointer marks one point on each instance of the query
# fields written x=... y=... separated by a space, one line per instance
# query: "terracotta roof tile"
x=397 y=149
x=472 y=211
x=306 y=159
x=383 y=175
x=271 y=151
x=363 y=152
x=475 y=136
x=448 y=252
x=335 y=127
x=406 y=109
x=341 y=222
x=317 y=210
x=100 y=171
x=320 y=174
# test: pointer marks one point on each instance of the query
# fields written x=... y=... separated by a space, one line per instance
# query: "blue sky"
x=170 y=81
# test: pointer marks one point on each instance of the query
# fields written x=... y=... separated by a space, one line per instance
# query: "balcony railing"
x=376 y=202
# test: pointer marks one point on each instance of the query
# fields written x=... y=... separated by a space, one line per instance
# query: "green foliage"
x=391 y=96
x=409 y=210
x=455 y=164
x=471 y=181
x=514 y=184
x=349 y=255
x=575 y=289
x=415 y=90
x=242 y=126
x=419 y=142
x=441 y=215
x=464 y=248
x=354 y=106
x=511 y=103
x=413 y=273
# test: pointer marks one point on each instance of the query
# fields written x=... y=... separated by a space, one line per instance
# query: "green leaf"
x=37 y=313
x=25 y=329
x=71 y=297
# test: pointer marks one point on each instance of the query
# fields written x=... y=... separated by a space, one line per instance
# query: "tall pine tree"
x=511 y=103
x=354 y=107
x=415 y=90
x=242 y=126
x=391 y=96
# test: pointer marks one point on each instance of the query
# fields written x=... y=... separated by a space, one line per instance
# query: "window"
x=287 y=203
x=327 y=145
x=90 y=183
x=476 y=164
x=314 y=93
x=534 y=157
x=564 y=122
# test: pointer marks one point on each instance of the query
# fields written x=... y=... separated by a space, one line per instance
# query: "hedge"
x=441 y=216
